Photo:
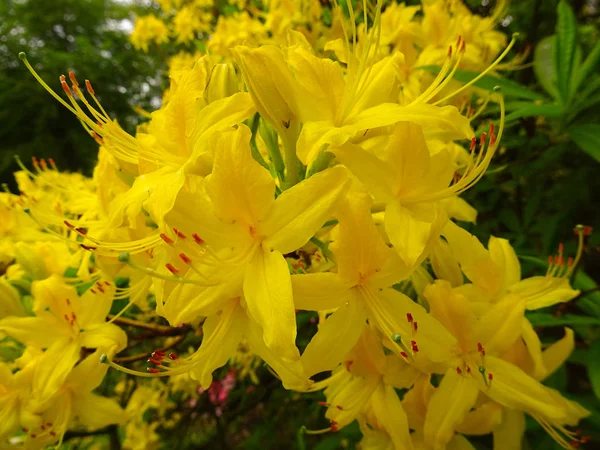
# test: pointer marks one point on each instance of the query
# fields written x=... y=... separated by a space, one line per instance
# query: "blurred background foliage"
x=543 y=182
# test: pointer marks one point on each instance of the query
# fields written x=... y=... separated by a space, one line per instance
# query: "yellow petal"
x=481 y=420
x=534 y=348
x=500 y=327
x=413 y=231
x=10 y=300
x=506 y=259
x=240 y=188
x=453 y=311
x=335 y=338
x=348 y=398
x=474 y=259
x=556 y=354
x=540 y=292
x=458 y=209
x=359 y=250
x=95 y=307
x=40 y=332
x=391 y=415
x=448 y=407
x=300 y=211
x=459 y=442
x=445 y=265
x=509 y=434
x=268 y=292
x=387 y=311
x=291 y=373
x=88 y=374
x=95 y=412
x=319 y=291
x=222 y=333
x=515 y=389
x=107 y=337
x=398 y=373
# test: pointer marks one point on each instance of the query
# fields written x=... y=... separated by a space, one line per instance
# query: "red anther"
x=491 y=129
x=482 y=139
x=97 y=138
x=73 y=317
x=294 y=265
x=43 y=164
x=323 y=404
x=458 y=370
x=81 y=231
x=179 y=233
x=585 y=439
x=468 y=369
x=152 y=370
x=550 y=260
x=198 y=239
x=66 y=318
x=414 y=346
x=415 y=326
x=106 y=283
x=463 y=47
x=49 y=424
x=89 y=88
x=404 y=355
x=587 y=230
x=570 y=261
x=158 y=354
x=173 y=356
x=25 y=430
x=87 y=247
x=173 y=270
x=561 y=248
x=33 y=435
x=333 y=426
x=65 y=86
x=185 y=258
x=166 y=238
x=473 y=143
x=68 y=301
x=450 y=52
x=458 y=41
x=154 y=361
x=101 y=289
x=73 y=79
x=43 y=428
x=409 y=317
x=339 y=407
x=479 y=347
x=53 y=434
x=561 y=261
x=492 y=139
x=490 y=376
x=92 y=291
x=68 y=224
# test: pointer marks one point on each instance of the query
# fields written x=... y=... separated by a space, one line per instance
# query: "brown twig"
x=161 y=329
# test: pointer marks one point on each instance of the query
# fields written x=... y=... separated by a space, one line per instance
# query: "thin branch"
x=160 y=329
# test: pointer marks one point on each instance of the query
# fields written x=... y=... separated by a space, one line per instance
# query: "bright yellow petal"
x=556 y=354
x=268 y=292
x=291 y=373
x=458 y=209
x=10 y=300
x=95 y=412
x=413 y=231
x=88 y=374
x=222 y=333
x=107 y=337
x=481 y=420
x=540 y=292
x=509 y=434
x=500 y=327
x=40 y=332
x=335 y=338
x=506 y=259
x=240 y=188
x=534 y=348
x=448 y=407
x=398 y=373
x=391 y=415
x=459 y=442
x=300 y=211
x=445 y=265
x=319 y=291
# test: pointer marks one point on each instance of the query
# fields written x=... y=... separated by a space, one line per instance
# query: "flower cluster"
x=309 y=166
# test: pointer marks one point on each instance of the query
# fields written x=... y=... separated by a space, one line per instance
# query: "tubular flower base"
x=301 y=168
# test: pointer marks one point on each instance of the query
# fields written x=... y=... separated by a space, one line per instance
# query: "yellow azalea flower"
x=10 y=300
x=149 y=29
x=361 y=289
x=243 y=232
x=186 y=24
x=497 y=270
x=14 y=388
x=482 y=337
x=363 y=388
x=64 y=323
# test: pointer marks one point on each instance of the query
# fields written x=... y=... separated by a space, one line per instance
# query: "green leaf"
x=590 y=299
x=565 y=49
x=543 y=65
x=489 y=82
x=546 y=110
x=594 y=367
x=586 y=68
x=542 y=319
x=587 y=138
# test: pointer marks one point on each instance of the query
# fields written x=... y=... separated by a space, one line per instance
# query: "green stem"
x=291 y=162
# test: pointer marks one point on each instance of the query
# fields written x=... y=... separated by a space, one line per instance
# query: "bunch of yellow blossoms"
x=316 y=169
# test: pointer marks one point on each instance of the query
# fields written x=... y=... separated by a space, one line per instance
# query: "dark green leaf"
x=586 y=68
x=587 y=138
x=565 y=49
x=543 y=65
x=542 y=319
x=594 y=367
x=546 y=110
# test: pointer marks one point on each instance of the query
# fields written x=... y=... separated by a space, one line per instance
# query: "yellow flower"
x=149 y=29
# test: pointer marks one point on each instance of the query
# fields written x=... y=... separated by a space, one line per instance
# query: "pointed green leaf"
x=565 y=48
x=546 y=110
x=586 y=68
x=594 y=367
x=543 y=65
x=587 y=138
